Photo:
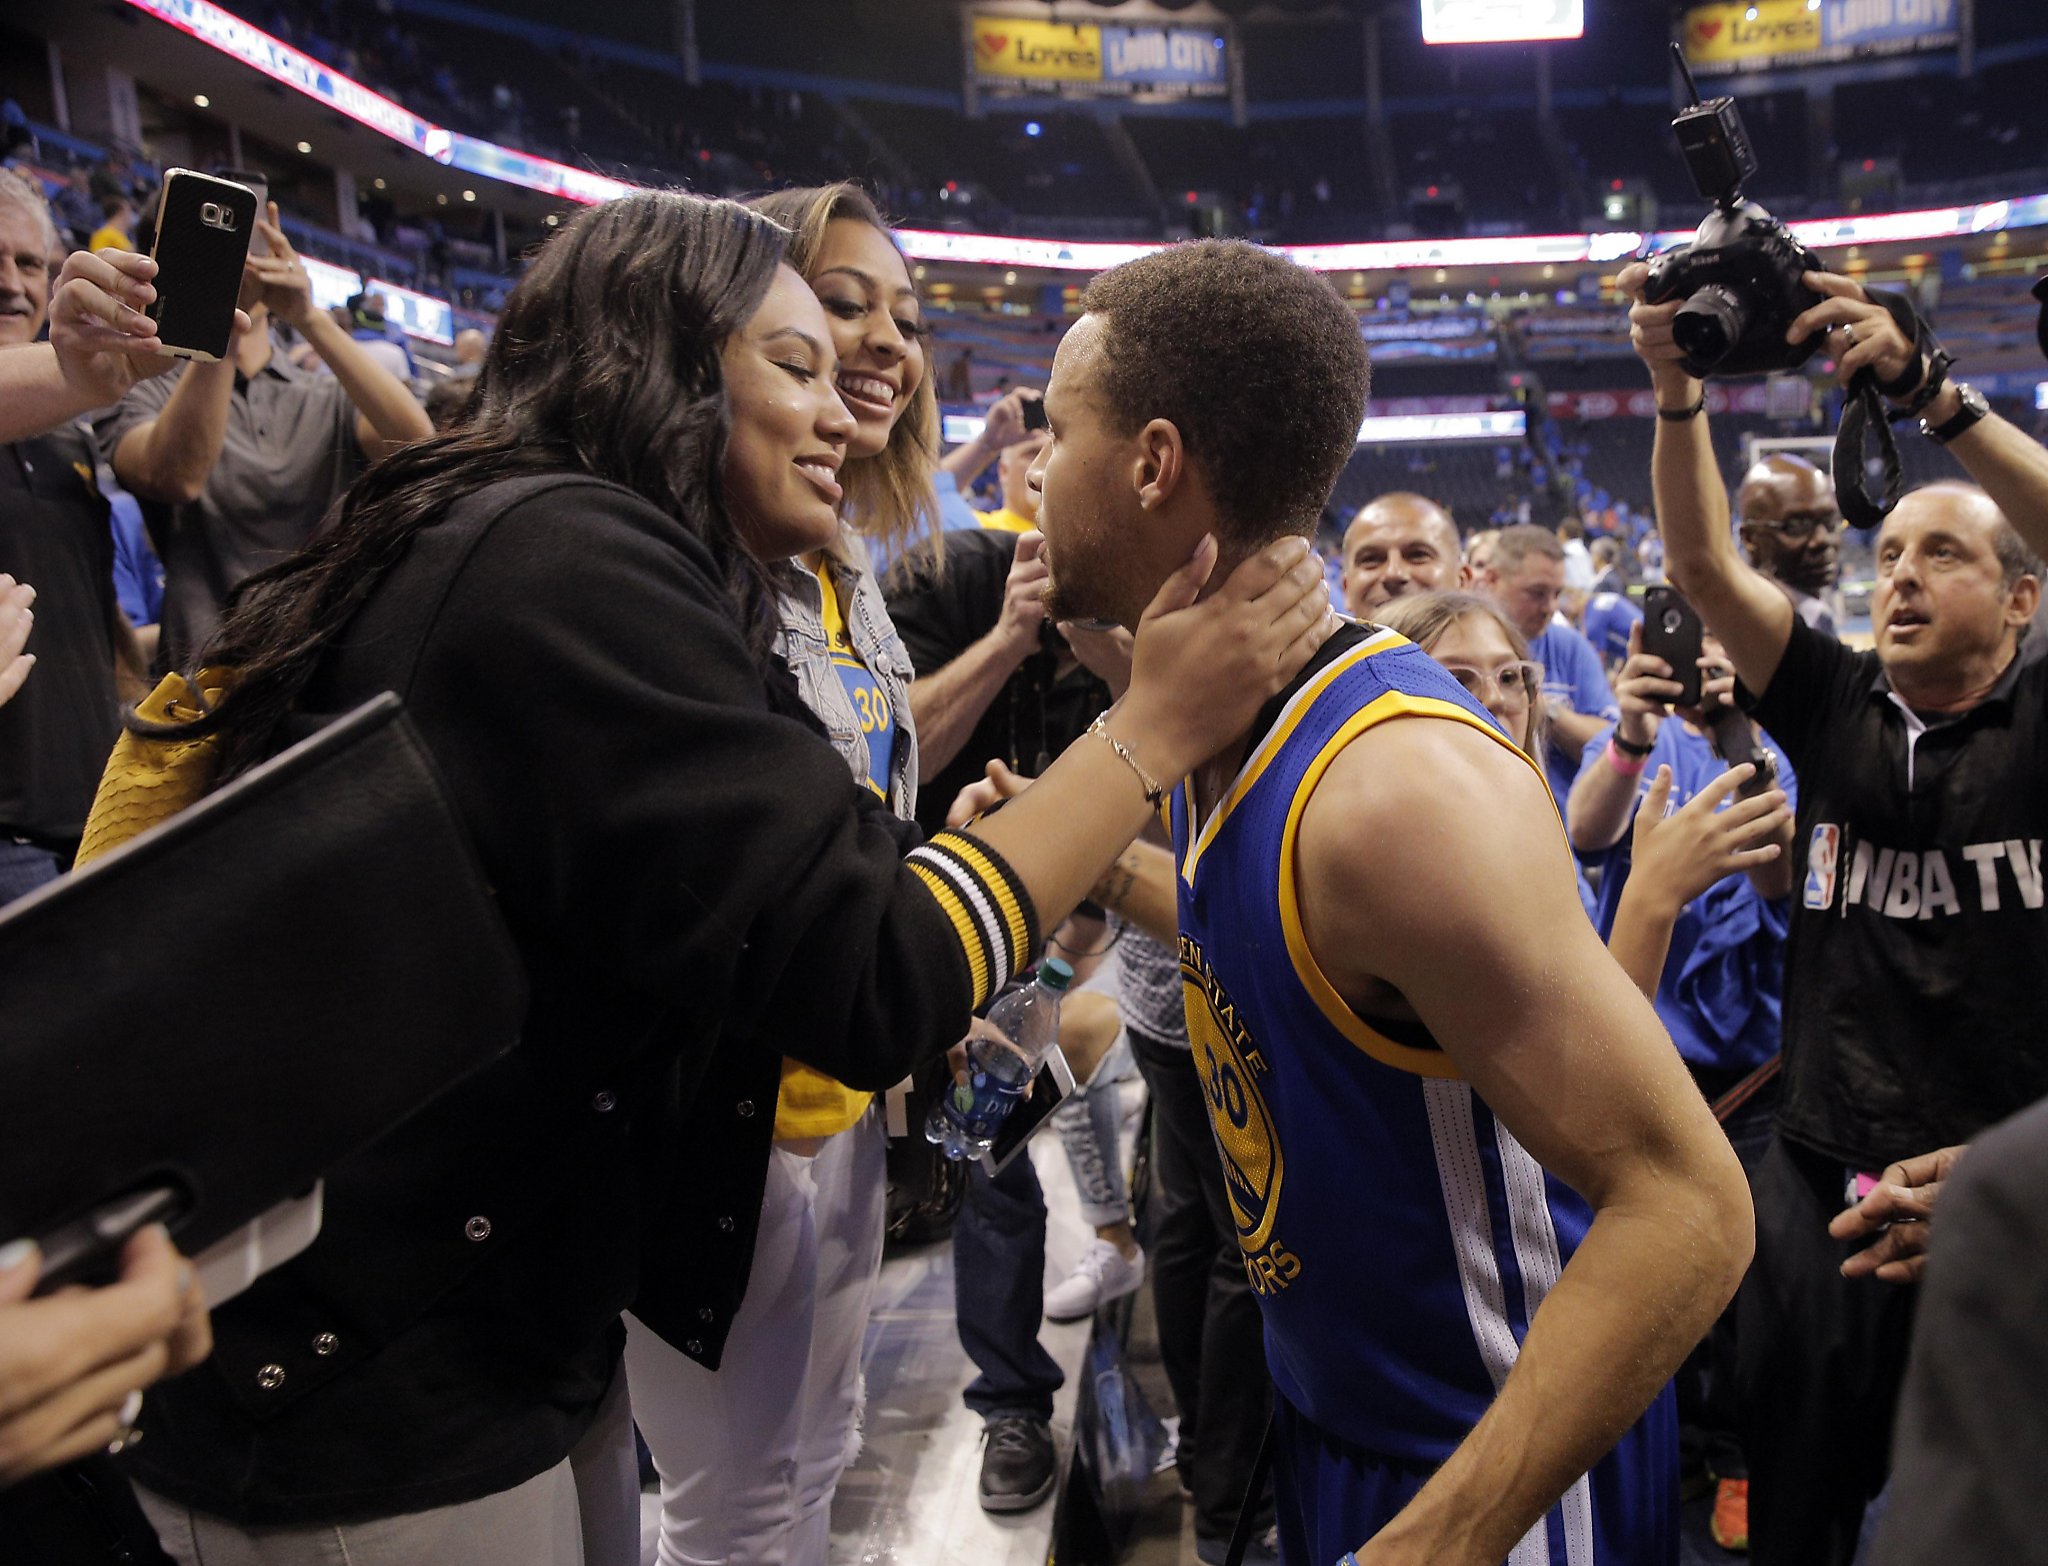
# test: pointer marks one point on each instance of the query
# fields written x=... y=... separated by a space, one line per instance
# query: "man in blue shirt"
x=138 y=574
x=1720 y=990
x=1610 y=616
x=1524 y=574
x=1724 y=973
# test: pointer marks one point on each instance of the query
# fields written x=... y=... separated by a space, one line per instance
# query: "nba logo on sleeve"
x=1822 y=854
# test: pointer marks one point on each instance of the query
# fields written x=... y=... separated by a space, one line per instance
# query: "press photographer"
x=1911 y=989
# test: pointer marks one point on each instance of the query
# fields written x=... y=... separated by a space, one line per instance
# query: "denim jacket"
x=802 y=644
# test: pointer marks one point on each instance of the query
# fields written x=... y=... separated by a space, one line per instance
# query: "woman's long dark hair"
x=605 y=362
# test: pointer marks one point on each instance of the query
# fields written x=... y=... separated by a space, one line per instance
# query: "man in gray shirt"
x=235 y=463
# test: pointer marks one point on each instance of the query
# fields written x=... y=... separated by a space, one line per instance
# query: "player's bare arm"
x=1430 y=860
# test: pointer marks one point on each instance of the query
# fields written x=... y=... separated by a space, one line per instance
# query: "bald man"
x=1790 y=524
x=1399 y=544
x=470 y=346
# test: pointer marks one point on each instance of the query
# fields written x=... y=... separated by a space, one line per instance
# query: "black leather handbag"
x=196 y=1026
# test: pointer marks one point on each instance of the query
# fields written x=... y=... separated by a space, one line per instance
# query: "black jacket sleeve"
x=588 y=691
x=941 y=612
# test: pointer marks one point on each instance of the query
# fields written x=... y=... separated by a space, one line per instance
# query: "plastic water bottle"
x=1000 y=1065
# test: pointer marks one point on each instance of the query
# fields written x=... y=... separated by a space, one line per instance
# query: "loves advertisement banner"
x=1019 y=55
x=1011 y=49
x=1758 y=35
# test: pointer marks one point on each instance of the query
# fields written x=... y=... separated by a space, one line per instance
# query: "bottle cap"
x=1055 y=974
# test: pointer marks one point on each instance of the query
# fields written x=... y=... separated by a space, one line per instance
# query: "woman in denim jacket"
x=752 y=1413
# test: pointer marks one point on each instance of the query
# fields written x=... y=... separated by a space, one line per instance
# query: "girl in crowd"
x=1677 y=856
x=574 y=592
x=750 y=1442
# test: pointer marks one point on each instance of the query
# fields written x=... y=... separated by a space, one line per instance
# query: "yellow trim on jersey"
x=965 y=926
x=829 y=611
x=1283 y=726
x=1004 y=521
x=1393 y=704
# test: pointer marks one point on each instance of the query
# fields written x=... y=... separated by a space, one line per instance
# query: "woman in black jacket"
x=567 y=591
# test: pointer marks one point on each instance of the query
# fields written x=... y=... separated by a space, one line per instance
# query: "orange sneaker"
x=1730 y=1523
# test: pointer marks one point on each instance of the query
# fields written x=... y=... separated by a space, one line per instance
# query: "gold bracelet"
x=1154 y=794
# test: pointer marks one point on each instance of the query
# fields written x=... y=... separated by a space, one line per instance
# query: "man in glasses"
x=1790 y=527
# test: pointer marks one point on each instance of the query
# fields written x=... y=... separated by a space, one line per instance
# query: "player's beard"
x=1076 y=593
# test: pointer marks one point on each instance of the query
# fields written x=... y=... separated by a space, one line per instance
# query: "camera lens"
x=1709 y=324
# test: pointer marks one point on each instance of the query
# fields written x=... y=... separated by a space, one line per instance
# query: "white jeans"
x=749 y=1455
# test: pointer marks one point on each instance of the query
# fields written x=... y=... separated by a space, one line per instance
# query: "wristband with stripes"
x=990 y=909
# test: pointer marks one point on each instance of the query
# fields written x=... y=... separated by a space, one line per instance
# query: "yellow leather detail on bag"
x=150 y=778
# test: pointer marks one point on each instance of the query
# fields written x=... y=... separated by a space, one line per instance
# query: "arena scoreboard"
x=1501 y=21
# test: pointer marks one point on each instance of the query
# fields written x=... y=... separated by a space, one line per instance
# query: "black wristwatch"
x=1973 y=409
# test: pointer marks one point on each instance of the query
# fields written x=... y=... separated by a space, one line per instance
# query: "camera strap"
x=1863 y=410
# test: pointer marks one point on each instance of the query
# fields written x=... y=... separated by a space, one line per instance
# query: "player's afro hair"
x=1256 y=361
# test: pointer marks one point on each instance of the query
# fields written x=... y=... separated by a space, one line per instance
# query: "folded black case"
x=248 y=992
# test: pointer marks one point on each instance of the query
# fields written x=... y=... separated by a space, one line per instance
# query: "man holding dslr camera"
x=1912 y=985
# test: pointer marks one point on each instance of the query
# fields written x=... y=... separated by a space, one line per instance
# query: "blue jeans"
x=1088 y=1126
x=999 y=1292
x=24 y=867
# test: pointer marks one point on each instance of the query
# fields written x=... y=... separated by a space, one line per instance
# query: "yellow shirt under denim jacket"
x=854 y=673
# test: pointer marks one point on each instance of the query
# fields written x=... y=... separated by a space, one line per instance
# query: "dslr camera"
x=1739 y=277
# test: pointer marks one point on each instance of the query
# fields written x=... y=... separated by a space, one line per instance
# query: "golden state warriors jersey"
x=1399 y=1239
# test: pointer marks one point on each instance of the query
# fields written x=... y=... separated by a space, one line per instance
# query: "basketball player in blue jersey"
x=1484 y=1208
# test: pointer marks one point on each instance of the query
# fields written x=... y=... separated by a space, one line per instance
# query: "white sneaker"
x=1104 y=1273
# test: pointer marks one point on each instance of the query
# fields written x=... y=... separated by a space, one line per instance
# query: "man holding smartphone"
x=1912 y=981
x=236 y=462
x=54 y=533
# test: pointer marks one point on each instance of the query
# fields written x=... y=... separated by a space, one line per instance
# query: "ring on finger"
x=128 y=1435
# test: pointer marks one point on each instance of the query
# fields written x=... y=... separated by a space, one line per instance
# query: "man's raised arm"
x=2007 y=463
x=1752 y=617
x=1511 y=980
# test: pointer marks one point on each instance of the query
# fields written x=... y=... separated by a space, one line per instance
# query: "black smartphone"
x=1734 y=741
x=1034 y=414
x=1672 y=631
x=203 y=228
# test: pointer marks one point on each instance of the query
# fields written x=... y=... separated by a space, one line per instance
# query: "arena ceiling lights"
x=1403 y=255
x=302 y=73
x=1501 y=21
x=253 y=47
x=1410 y=429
